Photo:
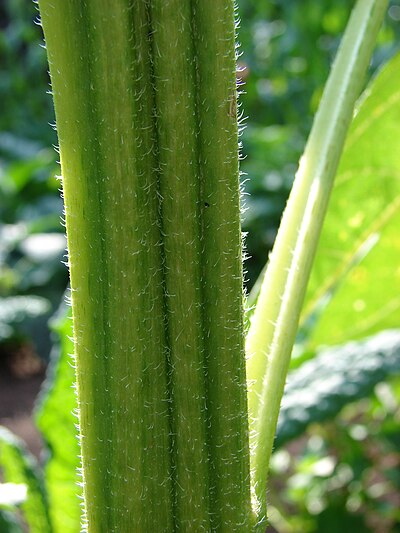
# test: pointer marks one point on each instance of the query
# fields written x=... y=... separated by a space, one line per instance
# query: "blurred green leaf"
x=336 y=376
x=20 y=467
x=354 y=289
x=9 y=522
x=328 y=520
x=56 y=420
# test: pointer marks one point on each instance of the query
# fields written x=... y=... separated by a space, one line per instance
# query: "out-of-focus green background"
x=342 y=475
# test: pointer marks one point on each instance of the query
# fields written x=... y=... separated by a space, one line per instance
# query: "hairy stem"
x=275 y=320
x=145 y=102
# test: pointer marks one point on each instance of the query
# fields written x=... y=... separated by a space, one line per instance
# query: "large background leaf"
x=57 y=422
x=356 y=276
x=319 y=389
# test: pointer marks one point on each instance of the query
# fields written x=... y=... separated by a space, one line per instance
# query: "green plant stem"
x=275 y=320
x=145 y=102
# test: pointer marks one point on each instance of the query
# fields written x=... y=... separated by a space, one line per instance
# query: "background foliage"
x=338 y=474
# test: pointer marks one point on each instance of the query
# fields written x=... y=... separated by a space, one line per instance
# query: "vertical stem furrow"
x=181 y=225
x=168 y=361
x=202 y=205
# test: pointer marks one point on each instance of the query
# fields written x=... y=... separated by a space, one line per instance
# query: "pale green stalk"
x=275 y=319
